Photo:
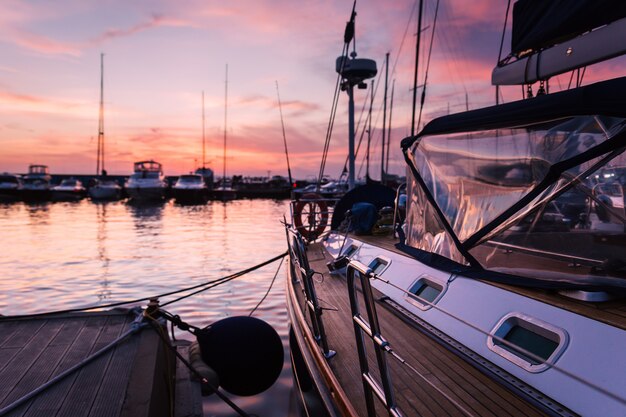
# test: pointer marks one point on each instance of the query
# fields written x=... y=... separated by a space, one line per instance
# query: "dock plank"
x=84 y=389
x=83 y=338
x=14 y=372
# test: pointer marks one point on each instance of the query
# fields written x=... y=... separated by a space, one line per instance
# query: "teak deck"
x=478 y=394
x=128 y=380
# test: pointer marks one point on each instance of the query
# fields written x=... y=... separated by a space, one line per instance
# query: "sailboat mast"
x=417 y=58
x=203 y=135
x=225 y=127
x=280 y=108
x=100 y=158
x=393 y=86
x=369 y=133
x=382 y=160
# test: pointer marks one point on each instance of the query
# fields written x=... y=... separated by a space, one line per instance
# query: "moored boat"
x=190 y=189
x=490 y=300
x=69 y=189
x=102 y=188
x=10 y=187
x=36 y=184
x=147 y=183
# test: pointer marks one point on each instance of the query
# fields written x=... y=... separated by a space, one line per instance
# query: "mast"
x=417 y=57
x=100 y=157
x=225 y=127
x=382 y=161
x=393 y=86
x=280 y=108
x=369 y=133
x=203 y=136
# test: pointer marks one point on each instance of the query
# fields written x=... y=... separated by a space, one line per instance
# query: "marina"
x=458 y=247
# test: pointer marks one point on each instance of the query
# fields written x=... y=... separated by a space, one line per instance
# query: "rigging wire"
x=211 y=283
x=430 y=51
x=268 y=290
x=348 y=37
x=280 y=108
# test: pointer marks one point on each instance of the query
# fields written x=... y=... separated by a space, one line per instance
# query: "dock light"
x=245 y=352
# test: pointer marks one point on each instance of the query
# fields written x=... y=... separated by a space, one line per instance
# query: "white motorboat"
x=69 y=189
x=147 y=183
x=190 y=189
x=10 y=187
x=36 y=185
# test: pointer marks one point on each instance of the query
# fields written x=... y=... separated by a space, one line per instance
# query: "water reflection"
x=58 y=256
x=104 y=292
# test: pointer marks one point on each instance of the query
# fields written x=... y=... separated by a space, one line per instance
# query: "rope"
x=211 y=283
x=511 y=345
x=136 y=326
x=268 y=290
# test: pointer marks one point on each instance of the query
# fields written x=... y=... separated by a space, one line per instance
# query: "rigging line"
x=269 y=289
x=280 y=108
x=348 y=35
x=508 y=343
x=137 y=300
x=506 y=20
x=430 y=52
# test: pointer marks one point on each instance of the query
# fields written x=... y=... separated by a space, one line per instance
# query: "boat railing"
x=401 y=188
x=300 y=267
x=370 y=327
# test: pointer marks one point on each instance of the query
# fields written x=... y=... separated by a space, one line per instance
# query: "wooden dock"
x=137 y=377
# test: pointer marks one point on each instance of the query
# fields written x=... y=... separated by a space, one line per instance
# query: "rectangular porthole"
x=378 y=265
x=350 y=251
x=528 y=342
x=425 y=292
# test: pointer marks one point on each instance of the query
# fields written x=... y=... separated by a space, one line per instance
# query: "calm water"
x=64 y=255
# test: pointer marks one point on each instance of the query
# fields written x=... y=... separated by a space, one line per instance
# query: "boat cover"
x=607 y=98
x=530 y=175
x=539 y=23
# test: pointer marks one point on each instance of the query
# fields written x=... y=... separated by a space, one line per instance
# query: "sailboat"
x=102 y=188
x=204 y=171
x=225 y=191
x=501 y=289
x=193 y=188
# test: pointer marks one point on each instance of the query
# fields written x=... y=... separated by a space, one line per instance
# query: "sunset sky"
x=161 y=54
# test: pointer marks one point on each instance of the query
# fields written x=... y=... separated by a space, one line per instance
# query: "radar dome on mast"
x=355 y=70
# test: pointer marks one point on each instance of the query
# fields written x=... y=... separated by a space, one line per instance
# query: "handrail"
x=300 y=264
x=395 y=208
x=371 y=327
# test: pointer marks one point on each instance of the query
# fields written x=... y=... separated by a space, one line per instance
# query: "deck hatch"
x=532 y=342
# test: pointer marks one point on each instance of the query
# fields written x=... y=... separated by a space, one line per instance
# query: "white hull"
x=146 y=193
x=104 y=192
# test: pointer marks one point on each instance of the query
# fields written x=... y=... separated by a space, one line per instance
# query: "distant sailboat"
x=102 y=188
x=206 y=173
x=225 y=190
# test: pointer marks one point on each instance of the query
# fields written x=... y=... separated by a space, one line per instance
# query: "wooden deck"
x=441 y=370
x=135 y=378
